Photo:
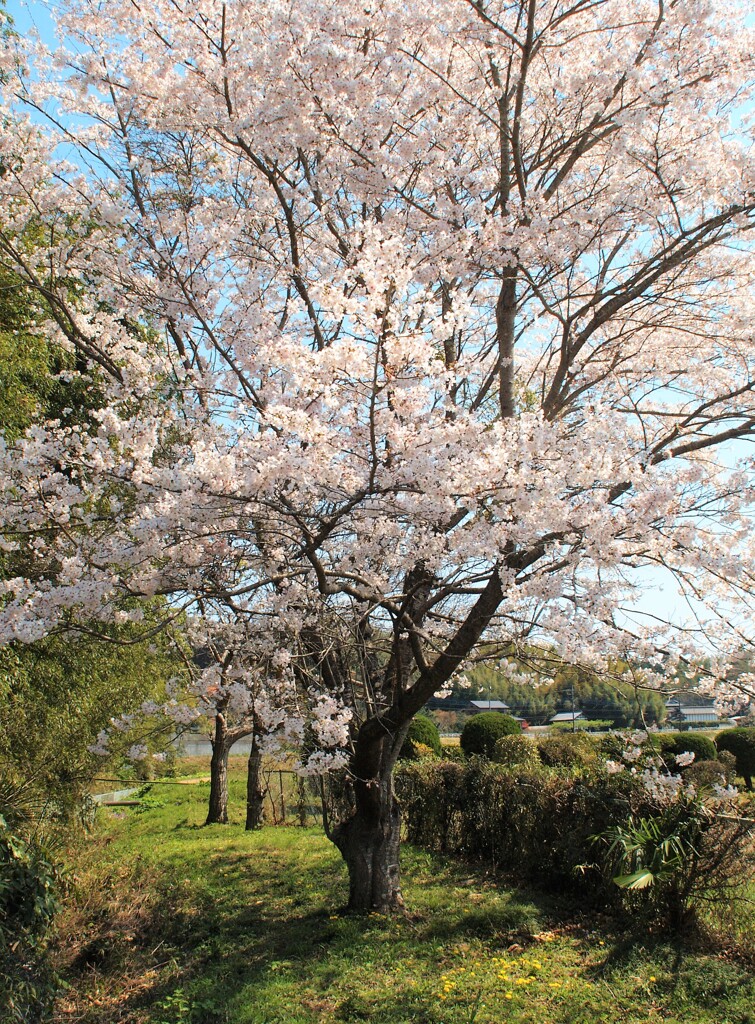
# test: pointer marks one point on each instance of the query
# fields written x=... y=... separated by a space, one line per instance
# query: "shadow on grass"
x=688 y=972
x=231 y=920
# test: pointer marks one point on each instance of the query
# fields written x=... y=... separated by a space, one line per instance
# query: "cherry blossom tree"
x=423 y=325
x=243 y=694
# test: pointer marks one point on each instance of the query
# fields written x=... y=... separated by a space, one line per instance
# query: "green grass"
x=174 y=923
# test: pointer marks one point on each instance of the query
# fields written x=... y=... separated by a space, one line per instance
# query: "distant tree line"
x=569 y=689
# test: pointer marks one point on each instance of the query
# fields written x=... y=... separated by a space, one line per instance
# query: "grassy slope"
x=179 y=924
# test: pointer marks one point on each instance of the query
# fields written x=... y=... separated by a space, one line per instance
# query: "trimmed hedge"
x=540 y=826
x=741 y=743
x=532 y=822
x=675 y=743
x=568 y=750
x=481 y=732
x=516 y=750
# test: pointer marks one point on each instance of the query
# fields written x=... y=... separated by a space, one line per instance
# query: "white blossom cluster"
x=330 y=721
x=661 y=785
x=383 y=338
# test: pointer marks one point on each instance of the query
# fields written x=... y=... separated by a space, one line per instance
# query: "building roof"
x=490 y=705
x=567 y=716
x=689 y=699
x=697 y=713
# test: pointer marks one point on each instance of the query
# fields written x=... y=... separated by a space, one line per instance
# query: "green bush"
x=584 y=725
x=675 y=743
x=481 y=732
x=704 y=774
x=452 y=753
x=529 y=821
x=28 y=903
x=741 y=743
x=423 y=732
x=681 y=856
x=612 y=746
x=541 y=825
x=516 y=750
x=567 y=750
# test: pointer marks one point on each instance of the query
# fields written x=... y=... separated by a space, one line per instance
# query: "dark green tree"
x=740 y=743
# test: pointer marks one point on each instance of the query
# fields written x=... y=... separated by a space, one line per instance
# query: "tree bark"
x=255 y=792
x=217 y=813
x=369 y=838
x=369 y=842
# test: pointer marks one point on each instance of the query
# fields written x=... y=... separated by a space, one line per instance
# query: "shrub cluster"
x=516 y=750
x=741 y=743
x=29 y=883
x=552 y=827
x=568 y=750
x=524 y=819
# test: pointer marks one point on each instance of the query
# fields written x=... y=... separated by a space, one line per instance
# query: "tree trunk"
x=369 y=842
x=255 y=793
x=369 y=839
x=217 y=813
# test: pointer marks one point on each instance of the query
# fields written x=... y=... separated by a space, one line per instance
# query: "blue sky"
x=34 y=14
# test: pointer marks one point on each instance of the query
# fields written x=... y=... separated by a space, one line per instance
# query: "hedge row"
x=533 y=822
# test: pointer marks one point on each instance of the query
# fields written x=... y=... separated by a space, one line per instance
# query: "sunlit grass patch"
x=181 y=924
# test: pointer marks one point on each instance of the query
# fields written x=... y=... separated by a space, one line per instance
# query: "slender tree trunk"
x=217 y=813
x=255 y=792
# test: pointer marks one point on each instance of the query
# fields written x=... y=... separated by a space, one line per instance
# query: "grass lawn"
x=174 y=923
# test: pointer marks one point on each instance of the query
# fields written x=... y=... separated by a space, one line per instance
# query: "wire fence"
x=291 y=799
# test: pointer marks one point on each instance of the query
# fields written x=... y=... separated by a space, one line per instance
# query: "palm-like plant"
x=648 y=851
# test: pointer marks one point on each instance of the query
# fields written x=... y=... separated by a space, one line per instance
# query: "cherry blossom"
x=421 y=326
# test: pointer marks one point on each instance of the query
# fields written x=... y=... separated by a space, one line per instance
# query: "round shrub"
x=480 y=733
x=741 y=743
x=516 y=751
x=704 y=774
x=567 y=750
x=423 y=732
x=675 y=743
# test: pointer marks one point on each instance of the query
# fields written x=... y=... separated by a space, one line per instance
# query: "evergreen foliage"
x=29 y=889
x=516 y=750
x=567 y=749
x=481 y=732
x=422 y=731
x=676 y=743
x=741 y=743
